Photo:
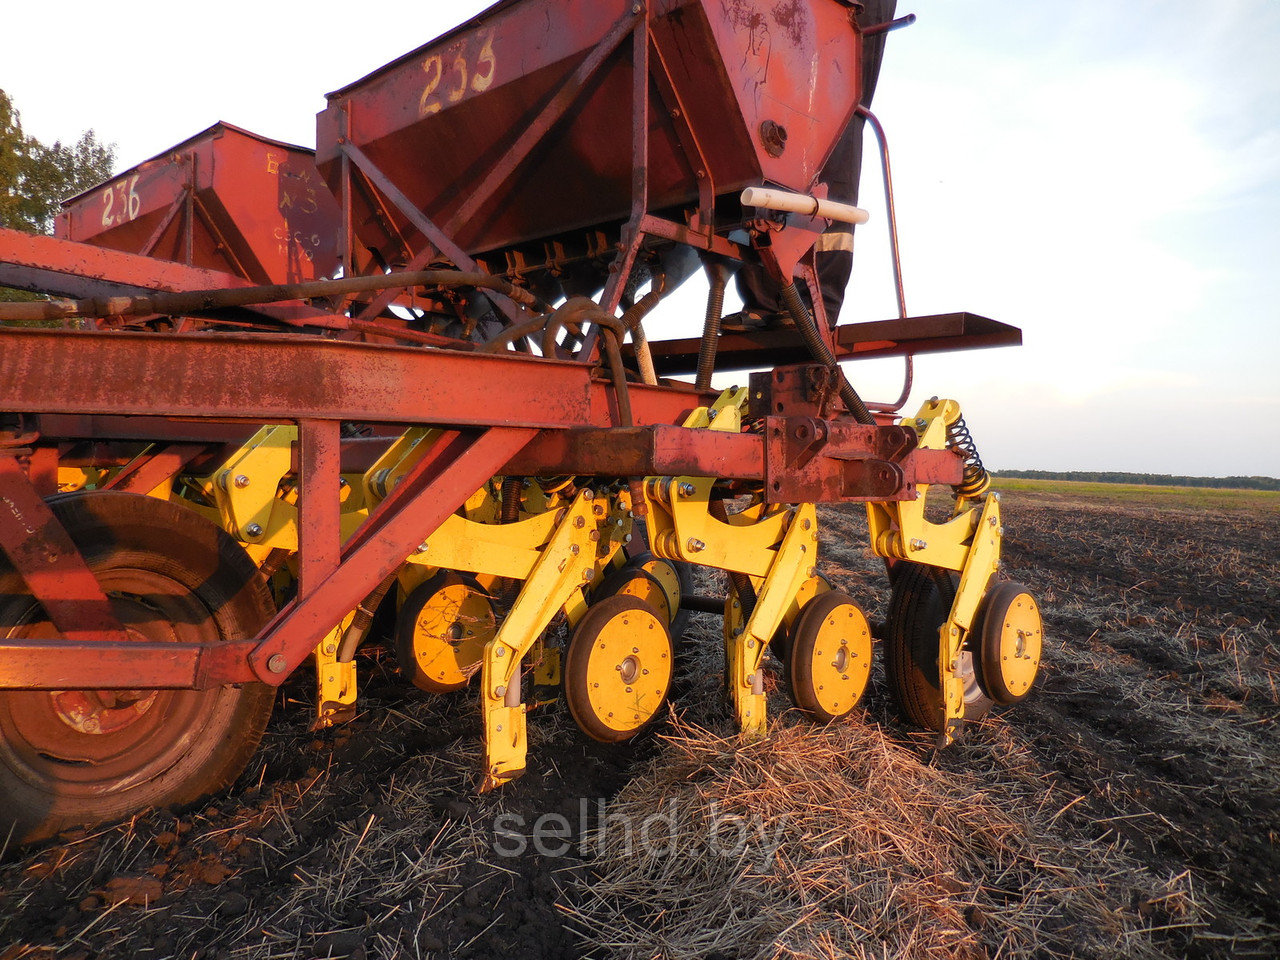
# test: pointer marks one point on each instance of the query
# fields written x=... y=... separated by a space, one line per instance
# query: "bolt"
x=574 y=549
x=588 y=495
x=588 y=575
x=751 y=644
x=253 y=530
x=711 y=415
x=813 y=571
x=501 y=652
x=807 y=524
x=627 y=538
x=991 y=522
x=342 y=483
x=918 y=544
x=595 y=536
x=695 y=545
x=241 y=480
x=277 y=663
x=422 y=547
x=500 y=692
x=921 y=422
x=686 y=489
x=579 y=522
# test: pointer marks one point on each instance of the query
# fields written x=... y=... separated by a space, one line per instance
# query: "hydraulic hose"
x=822 y=353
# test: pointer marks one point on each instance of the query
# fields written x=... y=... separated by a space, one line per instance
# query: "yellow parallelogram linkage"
x=775 y=545
x=579 y=547
x=969 y=542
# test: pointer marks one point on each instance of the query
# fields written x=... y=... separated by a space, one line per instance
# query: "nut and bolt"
x=588 y=575
x=918 y=544
x=695 y=545
x=277 y=663
x=686 y=489
x=241 y=480
x=253 y=530
x=921 y=422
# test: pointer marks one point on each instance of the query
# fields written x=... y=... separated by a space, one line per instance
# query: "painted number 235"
x=129 y=203
x=450 y=83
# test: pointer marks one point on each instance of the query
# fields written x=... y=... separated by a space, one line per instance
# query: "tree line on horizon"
x=1145 y=479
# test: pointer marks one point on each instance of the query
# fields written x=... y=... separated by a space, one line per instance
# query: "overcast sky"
x=1104 y=175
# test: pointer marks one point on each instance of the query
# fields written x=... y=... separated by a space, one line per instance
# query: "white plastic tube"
x=768 y=199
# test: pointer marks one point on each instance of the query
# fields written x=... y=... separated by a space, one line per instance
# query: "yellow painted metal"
x=71 y=479
x=980 y=566
x=449 y=634
x=245 y=489
x=628 y=670
x=968 y=542
x=680 y=523
x=667 y=577
x=335 y=682
x=836 y=655
x=402 y=456
x=1021 y=641
x=568 y=561
x=646 y=588
x=792 y=565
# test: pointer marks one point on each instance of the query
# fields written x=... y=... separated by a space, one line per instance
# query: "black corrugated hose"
x=822 y=353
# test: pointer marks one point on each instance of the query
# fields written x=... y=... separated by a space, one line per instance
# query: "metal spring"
x=975 y=480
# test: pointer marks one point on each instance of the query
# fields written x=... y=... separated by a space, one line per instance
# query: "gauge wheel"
x=918 y=606
x=829 y=658
x=1010 y=636
x=617 y=671
x=676 y=578
x=441 y=632
x=83 y=757
x=634 y=581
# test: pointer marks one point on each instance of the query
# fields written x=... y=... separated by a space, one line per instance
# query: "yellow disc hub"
x=618 y=668
x=1021 y=639
x=830 y=657
x=449 y=633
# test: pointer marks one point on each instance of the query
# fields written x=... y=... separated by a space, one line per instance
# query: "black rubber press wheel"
x=80 y=757
x=919 y=605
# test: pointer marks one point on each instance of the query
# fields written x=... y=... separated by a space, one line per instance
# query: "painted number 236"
x=452 y=82
x=129 y=203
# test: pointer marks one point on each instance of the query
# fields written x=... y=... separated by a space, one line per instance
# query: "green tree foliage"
x=35 y=178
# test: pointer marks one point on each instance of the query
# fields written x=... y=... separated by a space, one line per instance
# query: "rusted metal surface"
x=881 y=338
x=810 y=460
x=49 y=563
x=276 y=379
x=64 y=268
x=225 y=199
x=643 y=451
x=735 y=67
x=453 y=470
x=95 y=665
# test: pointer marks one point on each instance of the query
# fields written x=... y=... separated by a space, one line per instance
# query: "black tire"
x=171 y=575
x=918 y=606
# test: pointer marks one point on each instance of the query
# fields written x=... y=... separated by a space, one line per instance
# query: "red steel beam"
x=276 y=379
x=72 y=665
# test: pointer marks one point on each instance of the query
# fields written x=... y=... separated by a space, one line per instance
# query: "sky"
x=1104 y=176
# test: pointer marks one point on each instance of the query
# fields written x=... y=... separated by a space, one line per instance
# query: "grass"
x=1193 y=497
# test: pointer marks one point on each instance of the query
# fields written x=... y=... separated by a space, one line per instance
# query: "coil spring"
x=975 y=480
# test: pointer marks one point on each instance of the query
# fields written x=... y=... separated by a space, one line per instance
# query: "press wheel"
x=81 y=757
x=676 y=578
x=617 y=670
x=634 y=581
x=918 y=606
x=442 y=630
x=829 y=656
x=1009 y=635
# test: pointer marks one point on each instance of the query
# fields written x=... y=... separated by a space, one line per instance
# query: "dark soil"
x=1157 y=714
